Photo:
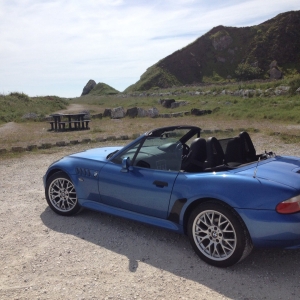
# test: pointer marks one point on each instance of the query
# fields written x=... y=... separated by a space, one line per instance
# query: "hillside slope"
x=226 y=52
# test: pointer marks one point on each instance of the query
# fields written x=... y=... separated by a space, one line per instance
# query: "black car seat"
x=234 y=154
x=194 y=161
x=249 y=151
x=215 y=153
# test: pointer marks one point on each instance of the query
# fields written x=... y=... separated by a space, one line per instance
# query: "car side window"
x=157 y=153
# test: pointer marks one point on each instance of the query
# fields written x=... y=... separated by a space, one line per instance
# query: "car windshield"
x=161 y=150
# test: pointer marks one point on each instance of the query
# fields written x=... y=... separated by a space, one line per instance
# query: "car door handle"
x=160 y=183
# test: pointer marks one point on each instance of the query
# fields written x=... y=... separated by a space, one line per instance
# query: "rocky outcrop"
x=222 y=42
x=118 y=113
x=274 y=72
x=88 y=87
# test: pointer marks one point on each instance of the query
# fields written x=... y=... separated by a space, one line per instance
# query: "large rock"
x=88 y=87
x=167 y=102
x=118 y=113
x=141 y=112
x=275 y=73
x=132 y=112
x=153 y=112
x=107 y=112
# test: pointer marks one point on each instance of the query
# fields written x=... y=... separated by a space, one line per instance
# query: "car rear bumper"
x=268 y=228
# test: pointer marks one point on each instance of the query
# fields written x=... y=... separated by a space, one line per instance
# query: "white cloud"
x=55 y=47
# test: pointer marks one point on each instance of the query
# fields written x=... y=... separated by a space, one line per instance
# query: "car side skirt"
x=100 y=207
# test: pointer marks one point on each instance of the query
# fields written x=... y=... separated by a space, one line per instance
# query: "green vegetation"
x=230 y=53
x=103 y=89
x=247 y=72
x=15 y=105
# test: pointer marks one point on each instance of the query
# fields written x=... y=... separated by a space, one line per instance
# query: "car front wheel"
x=61 y=195
x=218 y=235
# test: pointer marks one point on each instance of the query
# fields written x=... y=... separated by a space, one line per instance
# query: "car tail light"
x=289 y=206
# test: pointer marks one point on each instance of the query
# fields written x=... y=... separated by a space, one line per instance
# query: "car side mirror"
x=125 y=164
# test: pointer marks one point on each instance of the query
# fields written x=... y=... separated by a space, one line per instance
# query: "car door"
x=146 y=186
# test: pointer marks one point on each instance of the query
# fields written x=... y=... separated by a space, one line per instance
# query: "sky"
x=54 y=47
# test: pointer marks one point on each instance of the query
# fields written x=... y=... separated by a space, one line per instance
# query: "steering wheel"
x=185 y=150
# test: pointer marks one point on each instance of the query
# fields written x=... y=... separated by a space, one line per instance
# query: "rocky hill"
x=270 y=49
x=98 y=89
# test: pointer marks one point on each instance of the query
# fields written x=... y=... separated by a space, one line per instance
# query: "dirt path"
x=96 y=256
x=72 y=108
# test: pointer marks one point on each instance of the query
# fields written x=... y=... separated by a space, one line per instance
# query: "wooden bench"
x=52 y=125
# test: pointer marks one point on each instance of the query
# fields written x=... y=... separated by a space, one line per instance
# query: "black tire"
x=218 y=235
x=61 y=194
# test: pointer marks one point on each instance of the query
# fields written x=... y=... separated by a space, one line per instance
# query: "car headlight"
x=289 y=206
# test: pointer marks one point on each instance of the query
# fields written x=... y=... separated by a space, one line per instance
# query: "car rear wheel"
x=61 y=195
x=218 y=235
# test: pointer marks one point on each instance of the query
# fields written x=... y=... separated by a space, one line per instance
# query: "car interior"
x=219 y=155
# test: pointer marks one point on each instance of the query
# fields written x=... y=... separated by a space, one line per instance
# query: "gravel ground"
x=97 y=256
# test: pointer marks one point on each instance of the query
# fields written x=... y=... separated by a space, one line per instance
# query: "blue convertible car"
x=221 y=193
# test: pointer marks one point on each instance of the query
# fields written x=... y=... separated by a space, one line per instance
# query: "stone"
x=74 y=142
x=88 y=87
x=198 y=112
x=31 y=147
x=107 y=112
x=298 y=90
x=132 y=112
x=141 y=112
x=118 y=113
x=85 y=141
x=178 y=104
x=97 y=116
x=275 y=73
x=61 y=144
x=167 y=102
x=153 y=112
x=273 y=64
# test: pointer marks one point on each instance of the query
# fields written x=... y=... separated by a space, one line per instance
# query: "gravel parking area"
x=96 y=256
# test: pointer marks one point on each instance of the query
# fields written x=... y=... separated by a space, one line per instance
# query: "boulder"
x=198 y=112
x=118 y=113
x=132 y=112
x=275 y=73
x=153 y=112
x=88 y=87
x=141 y=112
x=107 y=112
x=167 y=102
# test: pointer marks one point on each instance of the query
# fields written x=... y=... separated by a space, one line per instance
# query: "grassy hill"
x=223 y=51
x=15 y=105
x=103 y=89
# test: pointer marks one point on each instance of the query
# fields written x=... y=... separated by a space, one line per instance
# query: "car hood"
x=98 y=154
x=280 y=169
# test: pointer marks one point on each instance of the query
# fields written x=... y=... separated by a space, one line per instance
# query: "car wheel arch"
x=197 y=202
x=53 y=171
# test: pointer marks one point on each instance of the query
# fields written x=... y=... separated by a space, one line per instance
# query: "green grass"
x=15 y=105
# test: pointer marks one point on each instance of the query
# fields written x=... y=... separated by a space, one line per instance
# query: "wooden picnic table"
x=69 y=122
